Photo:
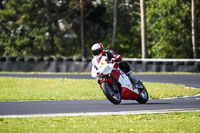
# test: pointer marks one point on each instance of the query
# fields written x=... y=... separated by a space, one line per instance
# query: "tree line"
x=70 y=27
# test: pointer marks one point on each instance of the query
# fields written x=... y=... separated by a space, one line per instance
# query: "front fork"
x=114 y=82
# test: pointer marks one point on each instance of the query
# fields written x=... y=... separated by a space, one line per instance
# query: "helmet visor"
x=96 y=52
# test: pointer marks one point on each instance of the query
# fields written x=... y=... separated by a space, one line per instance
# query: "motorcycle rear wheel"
x=143 y=95
x=112 y=95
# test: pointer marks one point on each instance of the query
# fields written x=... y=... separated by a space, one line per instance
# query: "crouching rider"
x=98 y=51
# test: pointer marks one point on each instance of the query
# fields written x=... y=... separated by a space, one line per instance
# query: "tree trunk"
x=1 y=5
x=114 y=24
x=82 y=31
x=143 y=28
x=194 y=42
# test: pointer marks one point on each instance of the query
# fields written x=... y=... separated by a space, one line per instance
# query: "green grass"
x=188 y=122
x=22 y=89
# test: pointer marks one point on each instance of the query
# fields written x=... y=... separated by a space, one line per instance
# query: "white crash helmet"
x=97 y=48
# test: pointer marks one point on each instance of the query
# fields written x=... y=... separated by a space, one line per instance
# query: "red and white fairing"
x=100 y=66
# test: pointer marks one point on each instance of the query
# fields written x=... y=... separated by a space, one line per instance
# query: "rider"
x=98 y=51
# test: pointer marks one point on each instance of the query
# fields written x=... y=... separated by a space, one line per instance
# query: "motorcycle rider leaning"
x=98 y=51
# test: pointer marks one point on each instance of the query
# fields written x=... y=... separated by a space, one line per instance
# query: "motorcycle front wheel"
x=112 y=95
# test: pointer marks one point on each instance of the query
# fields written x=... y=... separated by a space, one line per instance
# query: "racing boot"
x=135 y=82
x=132 y=77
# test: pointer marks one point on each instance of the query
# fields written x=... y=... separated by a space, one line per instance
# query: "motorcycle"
x=115 y=84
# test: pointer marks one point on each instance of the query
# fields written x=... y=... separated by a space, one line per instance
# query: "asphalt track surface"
x=104 y=107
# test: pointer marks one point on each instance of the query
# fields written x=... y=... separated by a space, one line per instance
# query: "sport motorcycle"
x=116 y=84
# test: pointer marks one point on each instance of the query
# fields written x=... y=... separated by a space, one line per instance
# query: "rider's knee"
x=124 y=66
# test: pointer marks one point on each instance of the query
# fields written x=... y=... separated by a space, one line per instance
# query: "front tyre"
x=112 y=94
x=143 y=95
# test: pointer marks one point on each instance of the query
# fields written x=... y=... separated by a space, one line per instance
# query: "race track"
x=104 y=107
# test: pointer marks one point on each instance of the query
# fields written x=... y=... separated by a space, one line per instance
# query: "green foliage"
x=169 y=29
x=198 y=24
x=52 y=27
x=34 y=28
x=128 y=36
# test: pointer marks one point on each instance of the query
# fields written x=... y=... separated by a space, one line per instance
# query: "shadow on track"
x=145 y=104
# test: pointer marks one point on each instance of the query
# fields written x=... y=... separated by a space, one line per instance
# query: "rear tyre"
x=143 y=95
x=112 y=94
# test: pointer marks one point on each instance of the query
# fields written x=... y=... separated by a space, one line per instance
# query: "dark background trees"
x=52 y=27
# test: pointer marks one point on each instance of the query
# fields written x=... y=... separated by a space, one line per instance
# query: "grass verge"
x=22 y=89
x=188 y=122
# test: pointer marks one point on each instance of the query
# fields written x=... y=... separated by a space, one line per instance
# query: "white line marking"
x=103 y=113
x=181 y=97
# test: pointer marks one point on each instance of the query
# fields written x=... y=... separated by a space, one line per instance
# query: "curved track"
x=103 y=107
